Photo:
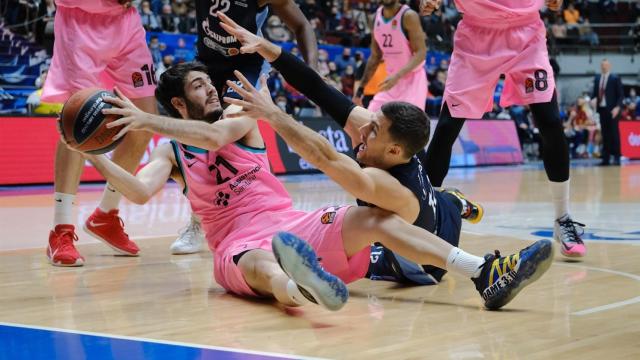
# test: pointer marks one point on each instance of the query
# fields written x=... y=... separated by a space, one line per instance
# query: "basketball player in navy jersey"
x=220 y=52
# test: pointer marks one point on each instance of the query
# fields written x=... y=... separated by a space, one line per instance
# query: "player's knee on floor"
x=258 y=267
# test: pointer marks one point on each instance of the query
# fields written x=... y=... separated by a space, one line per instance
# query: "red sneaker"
x=61 y=251
x=109 y=228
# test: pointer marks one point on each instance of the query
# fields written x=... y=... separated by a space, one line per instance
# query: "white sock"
x=63 y=208
x=461 y=262
x=295 y=295
x=110 y=199
x=560 y=197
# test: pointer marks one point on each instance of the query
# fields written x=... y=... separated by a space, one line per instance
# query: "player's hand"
x=389 y=82
x=255 y=104
x=553 y=5
x=357 y=100
x=427 y=7
x=250 y=42
x=131 y=117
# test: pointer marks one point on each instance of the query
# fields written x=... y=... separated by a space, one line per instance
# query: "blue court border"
x=33 y=342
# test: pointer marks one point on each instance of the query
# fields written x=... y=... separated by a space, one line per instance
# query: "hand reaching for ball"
x=132 y=118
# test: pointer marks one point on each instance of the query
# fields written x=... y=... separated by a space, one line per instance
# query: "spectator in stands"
x=571 y=16
x=155 y=49
x=168 y=19
x=360 y=19
x=283 y=103
x=436 y=86
x=559 y=31
x=608 y=95
x=191 y=22
x=167 y=62
x=633 y=96
x=150 y=20
x=276 y=31
x=629 y=112
x=347 y=81
x=587 y=34
x=323 y=62
x=275 y=83
x=345 y=60
x=581 y=120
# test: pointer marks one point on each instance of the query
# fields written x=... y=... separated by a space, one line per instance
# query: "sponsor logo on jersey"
x=136 y=79
x=328 y=217
x=222 y=199
x=528 y=85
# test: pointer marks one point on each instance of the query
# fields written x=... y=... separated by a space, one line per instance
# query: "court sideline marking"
x=162 y=342
x=609 y=306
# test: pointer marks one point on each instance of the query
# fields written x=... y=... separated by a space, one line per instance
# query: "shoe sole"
x=299 y=262
x=459 y=193
x=119 y=251
x=528 y=272
x=565 y=253
x=174 y=252
x=78 y=263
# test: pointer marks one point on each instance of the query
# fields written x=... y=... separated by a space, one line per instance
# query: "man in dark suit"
x=608 y=95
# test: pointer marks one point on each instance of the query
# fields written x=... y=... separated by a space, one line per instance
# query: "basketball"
x=83 y=125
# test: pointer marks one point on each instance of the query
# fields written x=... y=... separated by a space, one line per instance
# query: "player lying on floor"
x=436 y=212
x=249 y=220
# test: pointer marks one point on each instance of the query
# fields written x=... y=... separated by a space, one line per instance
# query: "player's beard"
x=197 y=112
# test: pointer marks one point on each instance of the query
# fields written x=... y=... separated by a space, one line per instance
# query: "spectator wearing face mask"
x=345 y=60
x=347 y=81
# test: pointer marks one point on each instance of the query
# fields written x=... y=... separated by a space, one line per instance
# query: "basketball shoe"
x=298 y=260
x=108 y=227
x=502 y=278
x=190 y=239
x=61 y=251
x=565 y=231
x=471 y=211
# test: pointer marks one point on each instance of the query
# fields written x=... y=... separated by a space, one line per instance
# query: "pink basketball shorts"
x=412 y=88
x=322 y=229
x=481 y=54
x=99 y=50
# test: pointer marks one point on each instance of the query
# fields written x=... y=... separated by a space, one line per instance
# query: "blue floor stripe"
x=29 y=343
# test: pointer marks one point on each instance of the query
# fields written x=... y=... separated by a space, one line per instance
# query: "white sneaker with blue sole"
x=298 y=260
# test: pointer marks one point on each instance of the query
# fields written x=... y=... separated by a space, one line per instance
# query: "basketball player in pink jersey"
x=506 y=37
x=96 y=41
x=244 y=208
x=400 y=41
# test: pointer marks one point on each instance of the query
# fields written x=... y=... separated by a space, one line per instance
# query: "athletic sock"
x=63 y=208
x=294 y=293
x=110 y=199
x=461 y=262
x=560 y=197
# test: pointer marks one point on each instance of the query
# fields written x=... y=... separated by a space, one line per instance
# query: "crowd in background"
x=348 y=24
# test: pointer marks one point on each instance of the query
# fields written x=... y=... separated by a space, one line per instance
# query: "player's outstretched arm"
x=149 y=180
x=370 y=185
x=304 y=79
x=190 y=132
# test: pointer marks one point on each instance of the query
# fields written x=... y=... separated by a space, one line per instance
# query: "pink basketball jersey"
x=93 y=6
x=394 y=44
x=229 y=187
x=499 y=13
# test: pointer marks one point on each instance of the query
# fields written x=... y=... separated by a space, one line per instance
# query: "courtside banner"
x=630 y=139
x=28 y=144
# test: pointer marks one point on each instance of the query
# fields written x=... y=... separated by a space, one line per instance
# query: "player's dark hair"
x=410 y=125
x=172 y=83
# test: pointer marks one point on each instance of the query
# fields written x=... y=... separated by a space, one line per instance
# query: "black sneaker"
x=502 y=278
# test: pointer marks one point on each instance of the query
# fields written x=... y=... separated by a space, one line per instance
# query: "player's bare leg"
x=105 y=224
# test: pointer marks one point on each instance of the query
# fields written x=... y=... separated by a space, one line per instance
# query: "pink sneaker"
x=565 y=231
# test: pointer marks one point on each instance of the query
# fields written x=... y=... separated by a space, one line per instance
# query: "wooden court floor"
x=578 y=310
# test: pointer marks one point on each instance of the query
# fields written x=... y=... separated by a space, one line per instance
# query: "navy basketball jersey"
x=215 y=45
